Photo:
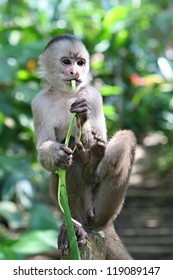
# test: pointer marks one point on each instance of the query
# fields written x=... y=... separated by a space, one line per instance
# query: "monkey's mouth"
x=68 y=82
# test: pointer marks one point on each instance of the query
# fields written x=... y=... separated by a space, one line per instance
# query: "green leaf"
x=109 y=112
x=110 y=90
x=35 y=242
x=115 y=14
x=121 y=38
x=42 y=217
x=10 y=212
x=6 y=253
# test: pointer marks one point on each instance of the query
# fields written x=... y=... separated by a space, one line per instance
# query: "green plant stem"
x=70 y=129
x=63 y=197
x=74 y=250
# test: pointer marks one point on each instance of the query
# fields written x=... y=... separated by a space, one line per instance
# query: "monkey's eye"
x=66 y=61
x=81 y=62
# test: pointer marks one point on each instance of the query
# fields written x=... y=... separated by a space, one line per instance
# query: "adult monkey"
x=98 y=170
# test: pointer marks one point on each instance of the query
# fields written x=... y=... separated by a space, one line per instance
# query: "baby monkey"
x=98 y=170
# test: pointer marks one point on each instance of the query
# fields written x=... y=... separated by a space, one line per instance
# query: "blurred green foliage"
x=131 y=47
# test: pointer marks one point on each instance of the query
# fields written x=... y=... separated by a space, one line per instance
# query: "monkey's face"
x=63 y=62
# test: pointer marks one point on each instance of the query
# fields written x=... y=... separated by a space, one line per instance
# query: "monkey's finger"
x=65 y=252
x=80 y=146
x=63 y=244
x=82 y=109
x=61 y=236
x=66 y=162
x=81 y=241
x=64 y=158
x=81 y=104
x=81 y=236
x=96 y=135
x=69 y=161
x=79 y=101
x=101 y=143
x=98 y=138
x=67 y=150
x=65 y=249
x=84 y=154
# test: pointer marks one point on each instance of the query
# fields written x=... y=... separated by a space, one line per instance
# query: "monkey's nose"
x=74 y=74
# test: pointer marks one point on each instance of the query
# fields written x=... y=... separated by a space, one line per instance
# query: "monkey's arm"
x=51 y=153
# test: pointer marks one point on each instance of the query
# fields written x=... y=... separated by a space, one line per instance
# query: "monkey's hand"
x=91 y=157
x=80 y=107
x=63 y=243
x=53 y=155
x=63 y=157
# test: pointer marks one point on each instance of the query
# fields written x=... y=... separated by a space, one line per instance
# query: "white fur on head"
x=50 y=67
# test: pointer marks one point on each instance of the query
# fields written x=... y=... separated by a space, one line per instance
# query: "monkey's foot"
x=83 y=153
x=91 y=157
x=98 y=149
x=63 y=243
